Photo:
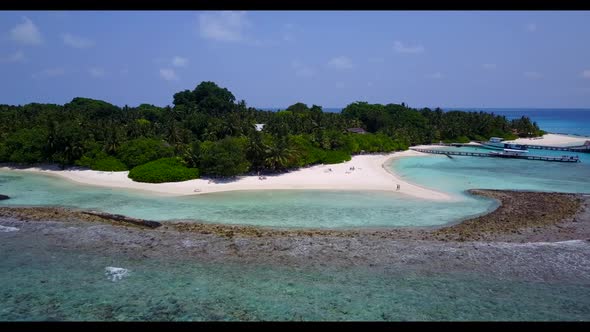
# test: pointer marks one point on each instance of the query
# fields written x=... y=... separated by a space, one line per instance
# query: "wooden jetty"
x=565 y=159
x=582 y=148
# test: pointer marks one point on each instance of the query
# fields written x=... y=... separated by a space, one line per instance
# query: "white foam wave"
x=541 y=244
x=116 y=273
x=6 y=229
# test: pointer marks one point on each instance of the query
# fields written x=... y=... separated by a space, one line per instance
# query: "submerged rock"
x=122 y=218
x=3 y=197
x=519 y=211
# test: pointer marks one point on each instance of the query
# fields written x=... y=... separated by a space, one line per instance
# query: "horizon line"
x=454 y=107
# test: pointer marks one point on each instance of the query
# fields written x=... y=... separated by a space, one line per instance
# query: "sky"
x=277 y=58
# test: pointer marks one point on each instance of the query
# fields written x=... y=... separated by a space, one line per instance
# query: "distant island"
x=207 y=132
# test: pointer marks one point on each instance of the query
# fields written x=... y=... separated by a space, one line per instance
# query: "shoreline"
x=370 y=174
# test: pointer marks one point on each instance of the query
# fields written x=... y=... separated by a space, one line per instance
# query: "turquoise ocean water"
x=459 y=173
x=41 y=281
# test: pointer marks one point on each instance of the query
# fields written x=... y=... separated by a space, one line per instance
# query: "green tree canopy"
x=26 y=146
x=142 y=150
x=208 y=97
x=226 y=157
x=163 y=170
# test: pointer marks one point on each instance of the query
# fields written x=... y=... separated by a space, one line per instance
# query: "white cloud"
x=399 y=47
x=531 y=27
x=489 y=66
x=533 y=75
x=223 y=26
x=168 y=74
x=76 y=42
x=438 y=75
x=178 y=61
x=18 y=56
x=340 y=62
x=302 y=70
x=586 y=73
x=26 y=33
x=96 y=72
x=49 y=72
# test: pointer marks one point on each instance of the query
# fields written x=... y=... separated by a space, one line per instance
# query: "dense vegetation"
x=163 y=170
x=208 y=130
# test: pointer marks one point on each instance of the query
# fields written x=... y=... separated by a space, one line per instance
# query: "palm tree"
x=279 y=155
x=256 y=151
x=52 y=137
x=191 y=154
x=173 y=136
x=72 y=152
x=113 y=142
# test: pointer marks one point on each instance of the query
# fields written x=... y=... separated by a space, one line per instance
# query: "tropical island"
x=294 y=166
x=207 y=143
x=208 y=133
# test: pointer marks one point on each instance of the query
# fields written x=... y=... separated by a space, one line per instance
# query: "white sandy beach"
x=553 y=140
x=369 y=174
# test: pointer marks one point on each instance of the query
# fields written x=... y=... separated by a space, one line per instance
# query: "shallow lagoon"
x=277 y=208
x=459 y=173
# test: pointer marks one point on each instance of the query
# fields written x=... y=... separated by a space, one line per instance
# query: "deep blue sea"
x=573 y=121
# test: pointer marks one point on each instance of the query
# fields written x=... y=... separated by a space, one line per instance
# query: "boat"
x=495 y=143
x=509 y=152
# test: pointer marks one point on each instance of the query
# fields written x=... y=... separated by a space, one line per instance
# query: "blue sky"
x=277 y=58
